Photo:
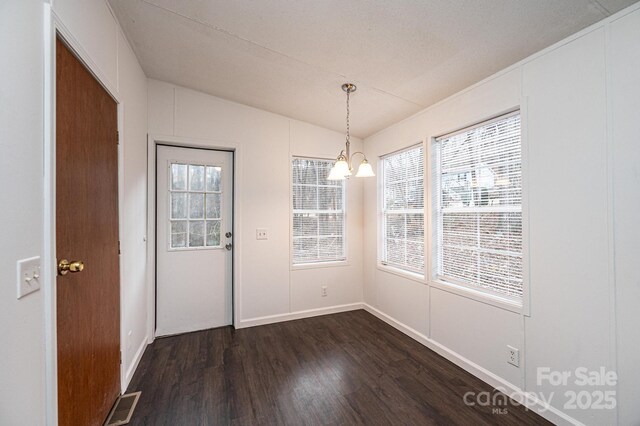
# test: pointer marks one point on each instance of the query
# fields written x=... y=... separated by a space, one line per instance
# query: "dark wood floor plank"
x=342 y=369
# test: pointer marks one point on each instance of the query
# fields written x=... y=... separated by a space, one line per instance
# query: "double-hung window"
x=318 y=213
x=477 y=205
x=403 y=210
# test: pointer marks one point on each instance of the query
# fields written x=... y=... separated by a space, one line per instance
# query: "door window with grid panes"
x=195 y=205
x=318 y=213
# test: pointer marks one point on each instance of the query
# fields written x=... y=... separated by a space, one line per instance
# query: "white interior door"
x=194 y=197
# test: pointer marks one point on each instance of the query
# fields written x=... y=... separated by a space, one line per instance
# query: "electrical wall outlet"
x=28 y=271
x=261 y=234
x=513 y=356
x=323 y=291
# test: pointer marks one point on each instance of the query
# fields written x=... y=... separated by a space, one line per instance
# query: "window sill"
x=402 y=273
x=479 y=296
x=332 y=264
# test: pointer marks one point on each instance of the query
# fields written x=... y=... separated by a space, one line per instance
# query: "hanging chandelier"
x=343 y=166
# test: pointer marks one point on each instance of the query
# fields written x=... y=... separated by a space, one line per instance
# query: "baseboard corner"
x=134 y=364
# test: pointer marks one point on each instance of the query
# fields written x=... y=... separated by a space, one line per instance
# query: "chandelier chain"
x=348 y=130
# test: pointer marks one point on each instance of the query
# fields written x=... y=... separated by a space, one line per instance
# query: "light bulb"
x=335 y=175
x=342 y=167
x=365 y=169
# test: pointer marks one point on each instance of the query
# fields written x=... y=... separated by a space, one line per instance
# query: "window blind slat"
x=403 y=210
x=318 y=213
x=477 y=201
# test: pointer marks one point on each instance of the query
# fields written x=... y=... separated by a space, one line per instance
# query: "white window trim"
x=413 y=276
x=477 y=295
x=522 y=306
x=380 y=264
x=323 y=263
x=316 y=265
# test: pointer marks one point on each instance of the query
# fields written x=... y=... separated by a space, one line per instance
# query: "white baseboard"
x=548 y=412
x=270 y=319
x=134 y=364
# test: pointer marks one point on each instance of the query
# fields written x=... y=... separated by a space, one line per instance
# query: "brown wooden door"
x=88 y=302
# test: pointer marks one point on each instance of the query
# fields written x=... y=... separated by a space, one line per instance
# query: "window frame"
x=503 y=301
x=319 y=263
x=412 y=274
x=187 y=191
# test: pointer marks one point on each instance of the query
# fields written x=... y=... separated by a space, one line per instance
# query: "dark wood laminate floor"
x=347 y=368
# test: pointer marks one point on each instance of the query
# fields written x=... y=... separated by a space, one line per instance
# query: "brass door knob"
x=65 y=266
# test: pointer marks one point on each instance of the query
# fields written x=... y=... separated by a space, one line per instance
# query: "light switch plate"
x=261 y=234
x=29 y=276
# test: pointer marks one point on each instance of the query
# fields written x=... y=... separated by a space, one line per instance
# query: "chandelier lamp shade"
x=343 y=167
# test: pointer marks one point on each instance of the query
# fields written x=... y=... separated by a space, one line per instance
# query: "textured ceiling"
x=291 y=56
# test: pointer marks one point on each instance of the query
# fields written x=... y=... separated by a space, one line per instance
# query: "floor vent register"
x=123 y=409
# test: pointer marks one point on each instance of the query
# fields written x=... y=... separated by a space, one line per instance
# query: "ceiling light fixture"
x=343 y=167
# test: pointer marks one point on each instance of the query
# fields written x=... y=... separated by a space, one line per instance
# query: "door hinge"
x=119 y=252
x=120 y=357
x=118 y=137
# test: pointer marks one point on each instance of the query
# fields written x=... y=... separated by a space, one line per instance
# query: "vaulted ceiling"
x=291 y=56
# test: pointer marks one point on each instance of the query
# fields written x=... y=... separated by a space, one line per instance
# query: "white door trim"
x=153 y=141
x=53 y=27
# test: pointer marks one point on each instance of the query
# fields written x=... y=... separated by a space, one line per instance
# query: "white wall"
x=21 y=134
x=580 y=109
x=624 y=87
x=268 y=285
x=133 y=89
x=571 y=321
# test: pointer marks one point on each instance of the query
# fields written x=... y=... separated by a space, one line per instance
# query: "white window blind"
x=318 y=213
x=403 y=210
x=477 y=207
